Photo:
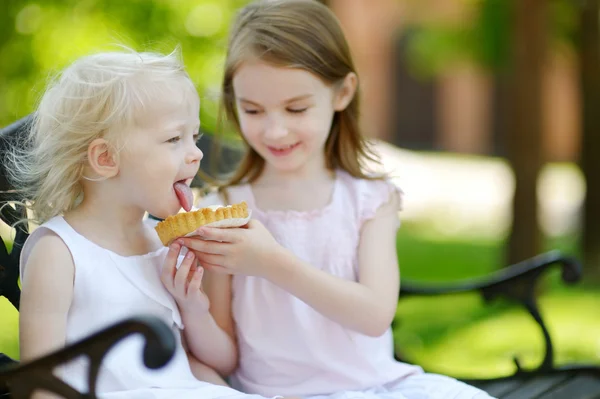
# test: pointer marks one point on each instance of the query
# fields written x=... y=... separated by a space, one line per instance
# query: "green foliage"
x=37 y=39
x=484 y=40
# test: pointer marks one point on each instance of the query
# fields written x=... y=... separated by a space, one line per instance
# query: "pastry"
x=185 y=223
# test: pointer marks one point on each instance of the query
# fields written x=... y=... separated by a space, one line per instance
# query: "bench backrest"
x=10 y=215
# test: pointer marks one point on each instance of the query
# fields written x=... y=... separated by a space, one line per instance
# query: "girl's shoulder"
x=368 y=194
x=372 y=186
x=55 y=232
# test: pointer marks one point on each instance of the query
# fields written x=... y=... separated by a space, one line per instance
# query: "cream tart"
x=185 y=223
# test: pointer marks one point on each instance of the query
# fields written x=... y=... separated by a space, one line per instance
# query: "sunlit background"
x=438 y=83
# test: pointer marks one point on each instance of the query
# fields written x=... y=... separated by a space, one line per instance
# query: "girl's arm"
x=204 y=373
x=47 y=292
x=208 y=343
x=205 y=340
x=217 y=287
x=367 y=306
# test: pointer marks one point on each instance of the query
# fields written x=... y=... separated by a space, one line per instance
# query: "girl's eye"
x=197 y=136
x=297 y=110
x=251 y=111
x=174 y=139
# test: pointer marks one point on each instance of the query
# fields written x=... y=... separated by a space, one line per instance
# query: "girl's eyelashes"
x=290 y=110
x=297 y=110
x=176 y=139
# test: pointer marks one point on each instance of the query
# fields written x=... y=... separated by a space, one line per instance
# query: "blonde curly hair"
x=98 y=96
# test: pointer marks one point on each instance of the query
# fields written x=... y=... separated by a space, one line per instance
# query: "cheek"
x=145 y=165
x=316 y=128
x=250 y=129
x=130 y=163
x=148 y=167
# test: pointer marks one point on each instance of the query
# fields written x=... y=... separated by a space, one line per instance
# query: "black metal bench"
x=515 y=283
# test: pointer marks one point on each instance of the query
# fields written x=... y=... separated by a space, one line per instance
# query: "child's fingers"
x=195 y=281
x=183 y=271
x=204 y=246
x=217 y=234
x=169 y=267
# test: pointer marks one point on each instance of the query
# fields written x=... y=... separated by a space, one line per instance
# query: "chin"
x=285 y=163
x=289 y=167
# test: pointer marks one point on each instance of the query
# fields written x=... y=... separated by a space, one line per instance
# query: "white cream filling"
x=225 y=223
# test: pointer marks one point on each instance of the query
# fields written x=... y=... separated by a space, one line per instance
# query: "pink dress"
x=288 y=348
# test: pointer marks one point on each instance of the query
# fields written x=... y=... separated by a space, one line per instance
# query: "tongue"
x=184 y=194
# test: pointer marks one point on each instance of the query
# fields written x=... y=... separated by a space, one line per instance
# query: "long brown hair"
x=302 y=34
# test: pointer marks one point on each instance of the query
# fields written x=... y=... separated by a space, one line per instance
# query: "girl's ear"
x=102 y=159
x=345 y=92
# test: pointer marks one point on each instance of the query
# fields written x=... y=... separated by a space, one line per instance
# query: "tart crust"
x=184 y=223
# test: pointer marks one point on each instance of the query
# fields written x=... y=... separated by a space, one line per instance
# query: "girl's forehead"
x=167 y=116
x=175 y=102
x=262 y=80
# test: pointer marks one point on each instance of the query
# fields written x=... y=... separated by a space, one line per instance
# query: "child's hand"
x=185 y=283
x=248 y=251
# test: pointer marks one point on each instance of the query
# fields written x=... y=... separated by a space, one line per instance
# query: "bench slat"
x=564 y=385
x=581 y=386
x=499 y=388
x=537 y=386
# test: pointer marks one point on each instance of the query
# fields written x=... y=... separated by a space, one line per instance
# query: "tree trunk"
x=589 y=53
x=524 y=144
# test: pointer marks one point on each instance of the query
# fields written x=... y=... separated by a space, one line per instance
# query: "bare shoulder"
x=49 y=257
x=48 y=283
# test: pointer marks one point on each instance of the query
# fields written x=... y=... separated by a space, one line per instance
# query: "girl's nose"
x=195 y=155
x=275 y=129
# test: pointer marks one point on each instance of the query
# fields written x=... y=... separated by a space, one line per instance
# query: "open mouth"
x=283 y=150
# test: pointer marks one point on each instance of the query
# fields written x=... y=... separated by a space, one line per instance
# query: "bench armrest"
x=515 y=283
x=23 y=379
x=502 y=282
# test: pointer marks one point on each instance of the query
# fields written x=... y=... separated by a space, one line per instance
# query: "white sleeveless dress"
x=107 y=289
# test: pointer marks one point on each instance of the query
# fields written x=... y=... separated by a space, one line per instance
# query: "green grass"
x=459 y=335
x=424 y=258
x=9 y=342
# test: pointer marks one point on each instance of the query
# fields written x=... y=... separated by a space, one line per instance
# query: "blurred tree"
x=589 y=61
x=38 y=38
x=524 y=134
x=509 y=38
